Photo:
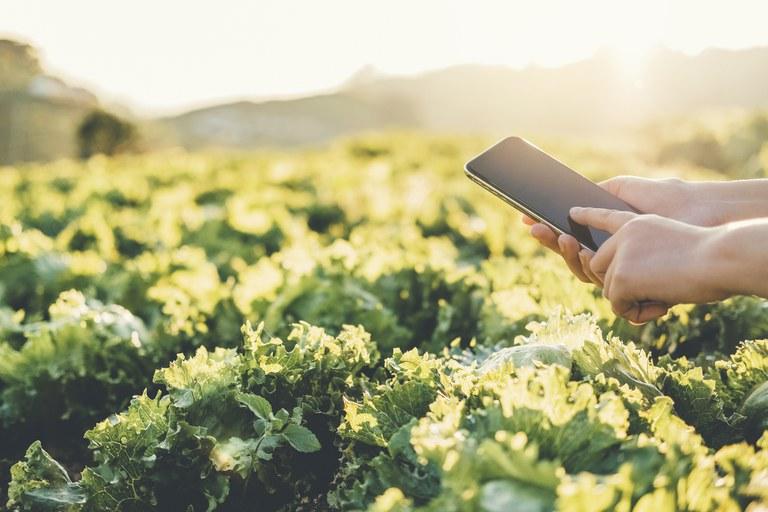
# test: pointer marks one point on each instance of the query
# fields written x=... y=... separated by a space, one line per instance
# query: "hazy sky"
x=166 y=55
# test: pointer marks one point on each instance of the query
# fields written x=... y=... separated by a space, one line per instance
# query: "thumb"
x=601 y=218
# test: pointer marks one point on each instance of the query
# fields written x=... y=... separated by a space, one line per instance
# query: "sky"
x=165 y=56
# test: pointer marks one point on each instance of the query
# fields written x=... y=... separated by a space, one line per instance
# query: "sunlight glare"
x=279 y=48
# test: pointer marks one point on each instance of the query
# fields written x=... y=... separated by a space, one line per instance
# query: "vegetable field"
x=354 y=328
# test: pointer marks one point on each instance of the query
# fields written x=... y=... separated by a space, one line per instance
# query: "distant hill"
x=590 y=96
x=39 y=114
x=302 y=121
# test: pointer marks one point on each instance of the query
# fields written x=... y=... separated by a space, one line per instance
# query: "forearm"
x=735 y=258
x=734 y=200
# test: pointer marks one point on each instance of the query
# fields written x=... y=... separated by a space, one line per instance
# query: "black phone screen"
x=522 y=173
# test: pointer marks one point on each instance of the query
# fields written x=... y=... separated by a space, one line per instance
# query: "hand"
x=688 y=202
x=672 y=198
x=649 y=263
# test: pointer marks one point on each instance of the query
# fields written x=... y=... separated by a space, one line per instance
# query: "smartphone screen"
x=541 y=186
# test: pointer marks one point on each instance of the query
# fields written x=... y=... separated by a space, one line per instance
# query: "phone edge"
x=512 y=202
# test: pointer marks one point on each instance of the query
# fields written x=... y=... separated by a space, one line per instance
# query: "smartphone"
x=542 y=187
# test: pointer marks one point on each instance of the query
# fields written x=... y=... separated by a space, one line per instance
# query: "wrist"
x=729 y=201
x=723 y=261
x=718 y=204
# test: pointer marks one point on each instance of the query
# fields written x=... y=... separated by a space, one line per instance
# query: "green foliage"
x=500 y=435
x=704 y=329
x=41 y=483
x=232 y=427
x=734 y=148
x=415 y=349
x=69 y=372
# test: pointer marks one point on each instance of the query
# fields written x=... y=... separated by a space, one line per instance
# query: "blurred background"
x=683 y=83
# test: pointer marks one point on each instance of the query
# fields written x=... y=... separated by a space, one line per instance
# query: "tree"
x=102 y=132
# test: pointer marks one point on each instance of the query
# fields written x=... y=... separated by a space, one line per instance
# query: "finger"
x=607 y=282
x=635 y=311
x=621 y=302
x=644 y=312
x=545 y=236
x=628 y=309
x=602 y=218
x=569 y=249
x=585 y=255
x=651 y=310
x=614 y=185
x=528 y=220
x=601 y=261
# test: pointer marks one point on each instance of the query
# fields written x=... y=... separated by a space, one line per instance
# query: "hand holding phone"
x=545 y=190
x=542 y=187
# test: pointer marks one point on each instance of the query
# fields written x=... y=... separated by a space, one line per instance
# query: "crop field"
x=352 y=328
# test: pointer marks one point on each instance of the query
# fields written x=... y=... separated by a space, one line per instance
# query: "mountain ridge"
x=590 y=96
x=602 y=94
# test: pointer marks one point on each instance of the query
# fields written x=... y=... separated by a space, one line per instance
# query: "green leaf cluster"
x=228 y=428
x=414 y=349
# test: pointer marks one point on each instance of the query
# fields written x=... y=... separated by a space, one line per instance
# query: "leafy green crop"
x=72 y=370
x=522 y=434
x=229 y=427
x=415 y=350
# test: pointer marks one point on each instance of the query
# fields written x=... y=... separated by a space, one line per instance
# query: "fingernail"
x=576 y=210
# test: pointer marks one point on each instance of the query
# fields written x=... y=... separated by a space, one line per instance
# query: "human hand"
x=650 y=262
x=672 y=198
x=685 y=201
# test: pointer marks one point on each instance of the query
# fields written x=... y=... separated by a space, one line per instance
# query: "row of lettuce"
x=566 y=419
x=402 y=381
